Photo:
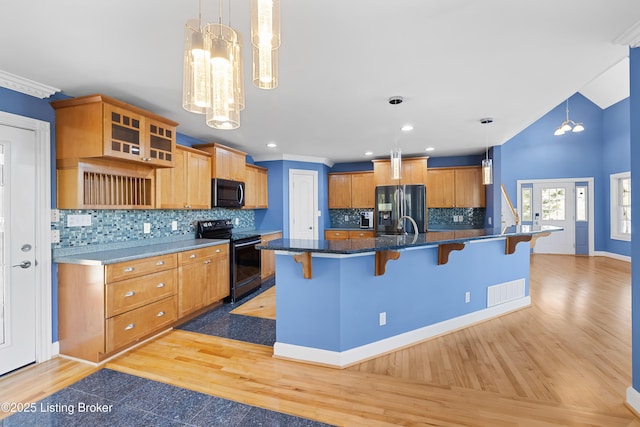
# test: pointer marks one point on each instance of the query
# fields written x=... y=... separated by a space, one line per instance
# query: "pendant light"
x=487 y=163
x=265 y=41
x=396 y=153
x=566 y=126
x=195 y=73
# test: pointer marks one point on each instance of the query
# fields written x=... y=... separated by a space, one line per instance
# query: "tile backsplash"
x=473 y=217
x=114 y=226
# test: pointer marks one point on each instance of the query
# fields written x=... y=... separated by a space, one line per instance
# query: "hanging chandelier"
x=566 y=126
x=213 y=69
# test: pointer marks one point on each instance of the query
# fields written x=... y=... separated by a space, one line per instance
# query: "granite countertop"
x=112 y=256
x=393 y=242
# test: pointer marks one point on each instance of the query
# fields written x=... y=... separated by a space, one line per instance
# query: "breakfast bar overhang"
x=342 y=302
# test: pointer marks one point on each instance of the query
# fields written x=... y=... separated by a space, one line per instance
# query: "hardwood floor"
x=566 y=360
x=264 y=305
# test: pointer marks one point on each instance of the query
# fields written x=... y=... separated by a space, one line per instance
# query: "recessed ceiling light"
x=272 y=145
x=407 y=128
x=369 y=153
x=429 y=149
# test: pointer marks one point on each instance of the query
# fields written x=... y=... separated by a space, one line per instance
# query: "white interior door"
x=303 y=204
x=17 y=248
x=554 y=204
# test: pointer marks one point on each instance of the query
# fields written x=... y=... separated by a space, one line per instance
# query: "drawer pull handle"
x=160 y=285
x=129 y=326
x=160 y=314
x=218 y=251
x=192 y=256
x=129 y=269
x=129 y=294
x=160 y=263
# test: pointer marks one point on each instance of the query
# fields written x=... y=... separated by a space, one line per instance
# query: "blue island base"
x=346 y=314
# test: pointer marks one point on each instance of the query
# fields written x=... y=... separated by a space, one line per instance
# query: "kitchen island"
x=340 y=302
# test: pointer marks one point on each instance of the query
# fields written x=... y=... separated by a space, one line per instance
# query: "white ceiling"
x=454 y=62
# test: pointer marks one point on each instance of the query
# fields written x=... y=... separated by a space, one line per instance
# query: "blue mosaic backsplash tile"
x=113 y=226
x=346 y=218
x=473 y=217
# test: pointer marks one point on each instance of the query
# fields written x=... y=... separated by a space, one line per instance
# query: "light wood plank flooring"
x=263 y=305
x=566 y=360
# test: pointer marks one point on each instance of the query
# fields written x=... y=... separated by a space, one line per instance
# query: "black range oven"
x=245 y=267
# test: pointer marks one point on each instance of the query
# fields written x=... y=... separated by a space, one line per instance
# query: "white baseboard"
x=368 y=351
x=612 y=255
x=633 y=399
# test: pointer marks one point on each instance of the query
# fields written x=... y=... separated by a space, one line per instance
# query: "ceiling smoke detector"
x=395 y=100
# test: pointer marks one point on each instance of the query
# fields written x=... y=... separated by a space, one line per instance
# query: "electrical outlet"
x=147 y=228
x=346 y=218
x=174 y=225
x=383 y=318
x=55 y=236
x=78 y=220
x=467 y=297
x=55 y=215
x=455 y=218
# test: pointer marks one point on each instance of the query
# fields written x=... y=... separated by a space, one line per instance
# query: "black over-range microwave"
x=226 y=193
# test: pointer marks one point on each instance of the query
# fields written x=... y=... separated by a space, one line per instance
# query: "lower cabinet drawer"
x=133 y=293
x=353 y=234
x=336 y=235
x=133 y=325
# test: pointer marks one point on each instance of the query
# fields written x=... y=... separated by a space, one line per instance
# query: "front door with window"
x=554 y=204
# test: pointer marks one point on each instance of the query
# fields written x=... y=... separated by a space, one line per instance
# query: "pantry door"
x=303 y=204
x=17 y=248
x=554 y=204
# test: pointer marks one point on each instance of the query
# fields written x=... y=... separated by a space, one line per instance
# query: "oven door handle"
x=251 y=243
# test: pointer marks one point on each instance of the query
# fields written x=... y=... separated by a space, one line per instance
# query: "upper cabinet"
x=414 y=171
x=459 y=187
x=226 y=162
x=256 y=188
x=351 y=190
x=98 y=126
x=188 y=184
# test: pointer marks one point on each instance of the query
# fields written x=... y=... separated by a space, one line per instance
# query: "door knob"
x=23 y=264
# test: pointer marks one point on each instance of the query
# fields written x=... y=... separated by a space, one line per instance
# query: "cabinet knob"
x=160 y=263
x=192 y=256
x=129 y=269
x=218 y=251
x=160 y=285
x=129 y=294
x=208 y=261
x=160 y=314
x=129 y=326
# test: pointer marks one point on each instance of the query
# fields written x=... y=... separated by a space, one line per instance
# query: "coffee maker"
x=366 y=219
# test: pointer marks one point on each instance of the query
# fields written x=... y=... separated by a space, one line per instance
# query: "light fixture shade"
x=224 y=109
x=396 y=163
x=195 y=73
x=487 y=171
x=239 y=71
x=265 y=39
x=265 y=68
x=566 y=127
x=578 y=128
x=559 y=131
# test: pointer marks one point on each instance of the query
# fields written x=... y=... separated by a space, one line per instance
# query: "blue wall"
x=634 y=110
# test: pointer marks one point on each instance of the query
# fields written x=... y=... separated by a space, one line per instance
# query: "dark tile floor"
x=111 y=398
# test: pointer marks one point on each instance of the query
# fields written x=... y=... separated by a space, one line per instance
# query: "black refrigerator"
x=394 y=203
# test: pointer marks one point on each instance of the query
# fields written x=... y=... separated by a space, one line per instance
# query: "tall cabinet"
x=456 y=187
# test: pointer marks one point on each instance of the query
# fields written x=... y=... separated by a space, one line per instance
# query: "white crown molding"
x=294 y=158
x=26 y=86
x=629 y=37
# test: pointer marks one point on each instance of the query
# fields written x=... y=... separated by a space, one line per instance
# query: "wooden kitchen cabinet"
x=336 y=234
x=256 y=188
x=268 y=258
x=459 y=187
x=99 y=126
x=351 y=190
x=361 y=234
x=226 y=162
x=203 y=278
x=414 y=171
x=339 y=190
x=104 y=309
x=188 y=184
x=104 y=184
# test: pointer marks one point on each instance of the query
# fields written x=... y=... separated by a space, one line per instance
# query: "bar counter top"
x=396 y=242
